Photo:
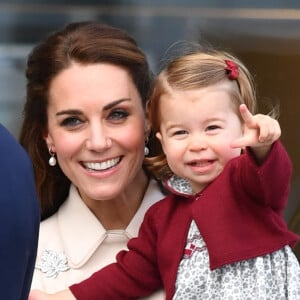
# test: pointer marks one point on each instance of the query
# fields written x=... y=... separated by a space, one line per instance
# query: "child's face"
x=197 y=128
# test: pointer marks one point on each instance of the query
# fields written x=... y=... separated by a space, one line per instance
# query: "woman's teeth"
x=101 y=166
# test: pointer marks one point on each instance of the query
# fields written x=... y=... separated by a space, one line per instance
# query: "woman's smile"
x=101 y=166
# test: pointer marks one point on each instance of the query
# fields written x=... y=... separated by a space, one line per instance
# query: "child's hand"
x=260 y=132
x=39 y=295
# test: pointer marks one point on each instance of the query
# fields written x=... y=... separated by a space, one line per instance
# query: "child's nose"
x=198 y=142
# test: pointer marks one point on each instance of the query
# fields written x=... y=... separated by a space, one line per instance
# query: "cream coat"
x=73 y=244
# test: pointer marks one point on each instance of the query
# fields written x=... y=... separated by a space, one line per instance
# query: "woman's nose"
x=98 y=139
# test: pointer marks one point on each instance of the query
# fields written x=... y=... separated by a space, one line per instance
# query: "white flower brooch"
x=52 y=263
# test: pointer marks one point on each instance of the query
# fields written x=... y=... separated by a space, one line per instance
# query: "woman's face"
x=97 y=128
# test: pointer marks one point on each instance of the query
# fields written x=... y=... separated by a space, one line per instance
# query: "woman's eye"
x=118 y=115
x=71 y=122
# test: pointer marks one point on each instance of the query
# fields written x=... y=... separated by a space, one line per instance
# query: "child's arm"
x=134 y=275
x=260 y=132
x=267 y=173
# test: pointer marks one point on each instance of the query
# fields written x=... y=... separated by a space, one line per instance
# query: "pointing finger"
x=247 y=116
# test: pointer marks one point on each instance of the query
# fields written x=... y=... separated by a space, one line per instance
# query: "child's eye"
x=118 y=114
x=212 y=127
x=71 y=122
x=180 y=132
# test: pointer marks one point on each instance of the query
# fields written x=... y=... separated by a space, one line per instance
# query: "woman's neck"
x=117 y=213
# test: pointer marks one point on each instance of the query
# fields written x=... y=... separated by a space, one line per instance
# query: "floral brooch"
x=52 y=263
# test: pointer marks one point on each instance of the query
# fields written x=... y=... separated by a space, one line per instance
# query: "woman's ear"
x=49 y=142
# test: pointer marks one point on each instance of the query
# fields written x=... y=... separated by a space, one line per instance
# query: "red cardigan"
x=239 y=216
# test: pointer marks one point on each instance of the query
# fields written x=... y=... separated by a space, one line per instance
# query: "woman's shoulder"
x=48 y=223
x=49 y=230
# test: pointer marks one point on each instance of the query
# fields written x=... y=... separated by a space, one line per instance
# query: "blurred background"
x=264 y=34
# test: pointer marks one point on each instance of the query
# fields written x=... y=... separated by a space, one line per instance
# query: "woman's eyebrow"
x=69 y=112
x=114 y=103
x=78 y=112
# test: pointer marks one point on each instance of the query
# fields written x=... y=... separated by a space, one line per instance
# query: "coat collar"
x=82 y=233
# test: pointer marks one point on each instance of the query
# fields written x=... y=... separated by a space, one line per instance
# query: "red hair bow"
x=232 y=69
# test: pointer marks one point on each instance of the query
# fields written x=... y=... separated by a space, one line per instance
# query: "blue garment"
x=19 y=219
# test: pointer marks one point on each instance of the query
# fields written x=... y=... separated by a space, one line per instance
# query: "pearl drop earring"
x=146 y=151
x=52 y=159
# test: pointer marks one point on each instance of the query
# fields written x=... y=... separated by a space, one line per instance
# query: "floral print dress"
x=275 y=276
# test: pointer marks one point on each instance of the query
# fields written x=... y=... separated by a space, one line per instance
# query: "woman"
x=85 y=130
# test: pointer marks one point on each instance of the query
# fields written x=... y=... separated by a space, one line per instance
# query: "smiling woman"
x=85 y=130
x=91 y=132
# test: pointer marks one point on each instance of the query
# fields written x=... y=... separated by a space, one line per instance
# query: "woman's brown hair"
x=84 y=43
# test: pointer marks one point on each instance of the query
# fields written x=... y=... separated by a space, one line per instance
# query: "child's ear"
x=159 y=137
